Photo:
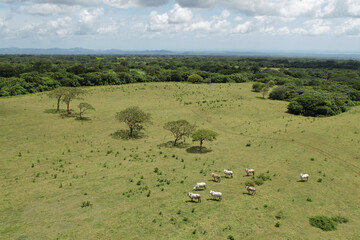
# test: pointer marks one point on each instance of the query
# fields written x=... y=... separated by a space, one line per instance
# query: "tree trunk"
x=175 y=141
x=131 y=132
x=58 y=104
x=68 y=108
x=80 y=114
x=201 y=144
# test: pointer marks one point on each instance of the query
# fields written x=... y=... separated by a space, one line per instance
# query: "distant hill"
x=84 y=51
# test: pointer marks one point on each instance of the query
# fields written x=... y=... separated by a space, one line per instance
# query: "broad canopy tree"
x=179 y=129
x=204 y=135
x=134 y=117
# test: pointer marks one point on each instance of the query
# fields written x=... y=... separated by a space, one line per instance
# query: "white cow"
x=249 y=171
x=194 y=196
x=228 y=173
x=304 y=176
x=199 y=185
x=216 y=194
x=251 y=190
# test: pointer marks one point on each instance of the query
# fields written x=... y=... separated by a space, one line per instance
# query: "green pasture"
x=62 y=178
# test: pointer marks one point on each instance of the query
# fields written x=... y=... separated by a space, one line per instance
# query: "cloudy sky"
x=245 y=25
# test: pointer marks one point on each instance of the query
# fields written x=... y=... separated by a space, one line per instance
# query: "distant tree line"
x=313 y=87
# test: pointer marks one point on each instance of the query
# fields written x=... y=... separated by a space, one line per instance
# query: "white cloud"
x=135 y=3
x=49 y=9
x=282 y=8
x=314 y=27
x=179 y=14
x=350 y=27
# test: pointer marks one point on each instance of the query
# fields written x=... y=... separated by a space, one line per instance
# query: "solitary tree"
x=204 y=134
x=83 y=107
x=266 y=87
x=58 y=93
x=179 y=129
x=70 y=94
x=134 y=117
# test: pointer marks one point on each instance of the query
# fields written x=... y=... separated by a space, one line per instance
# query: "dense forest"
x=313 y=87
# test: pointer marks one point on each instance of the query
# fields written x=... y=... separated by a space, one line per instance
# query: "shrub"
x=264 y=176
x=277 y=224
x=230 y=237
x=249 y=183
x=317 y=103
x=323 y=222
x=256 y=87
x=258 y=182
x=340 y=219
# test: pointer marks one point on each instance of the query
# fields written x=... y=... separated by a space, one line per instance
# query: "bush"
x=339 y=219
x=277 y=224
x=258 y=182
x=231 y=237
x=317 y=104
x=249 y=183
x=323 y=222
x=257 y=86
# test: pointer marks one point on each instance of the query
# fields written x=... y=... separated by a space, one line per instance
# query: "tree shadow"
x=301 y=181
x=53 y=111
x=124 y=135
x=83 y=119
x=261 y=98
x=196 y=149
x=170 y=144
x=66 y=115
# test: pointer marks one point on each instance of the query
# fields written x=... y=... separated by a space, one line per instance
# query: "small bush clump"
x=323 y=222
x=340 y=219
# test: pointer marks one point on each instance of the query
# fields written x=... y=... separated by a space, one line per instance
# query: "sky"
x=206 y=25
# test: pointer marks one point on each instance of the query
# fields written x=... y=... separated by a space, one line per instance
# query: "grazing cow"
x=216 y=176
x=199 y=185
x=251 y=190
x=228 y=173
x=248 y=171
x=304 y=176
x=216 y=194
x=194 y=196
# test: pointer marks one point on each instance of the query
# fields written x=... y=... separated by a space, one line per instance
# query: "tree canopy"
x=134 y=117
x=204 y=135
x=179 y=129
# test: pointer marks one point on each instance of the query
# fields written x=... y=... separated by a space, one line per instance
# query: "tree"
x=134 y=117
x=195 y=78
x=204 y=134
x=58 y=93
x=70 y=94
x=266 y=87
x=85 y=107
x=179 y=129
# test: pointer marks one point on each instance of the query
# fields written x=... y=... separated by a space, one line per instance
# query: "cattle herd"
x=228 y=173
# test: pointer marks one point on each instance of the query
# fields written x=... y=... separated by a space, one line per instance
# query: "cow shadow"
x=189 y=201
x=213 y=199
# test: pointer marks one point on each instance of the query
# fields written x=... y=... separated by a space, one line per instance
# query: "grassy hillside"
x=51 y=167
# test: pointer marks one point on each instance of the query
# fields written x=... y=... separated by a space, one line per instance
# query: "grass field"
x=61 y=178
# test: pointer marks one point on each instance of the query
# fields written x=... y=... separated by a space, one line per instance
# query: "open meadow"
x=63 y=178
